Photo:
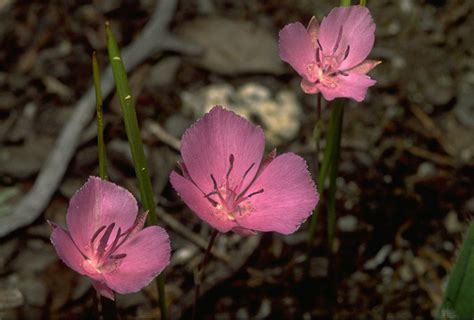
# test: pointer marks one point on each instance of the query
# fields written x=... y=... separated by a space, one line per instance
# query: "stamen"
x=247 y=171
x=339 y=36
x=118 y=256
x=105 y=239
x=346 y=54
x=342 y=73
x=214 y=182
x=231 y=160
x=116 y=240
x=213 y=202
x=318 y=59
x=96 y=234
x=254 y=193
x=319 y=45
x=210 y=194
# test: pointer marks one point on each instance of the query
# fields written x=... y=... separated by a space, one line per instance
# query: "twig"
x=162 y=135
x=154 y=38
x=219 y=275
x=179 y=228
x=201 y=272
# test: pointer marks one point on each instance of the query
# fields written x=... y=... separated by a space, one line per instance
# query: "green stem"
x=362 y=2
x=338 y=110
x=459 y=296
x=345 y=3
x=136 y=145
x=100 y=120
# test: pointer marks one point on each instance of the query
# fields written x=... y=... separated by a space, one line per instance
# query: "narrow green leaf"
x=100 y=120
x=328 y=159
x=136 y=145
x=459 y=295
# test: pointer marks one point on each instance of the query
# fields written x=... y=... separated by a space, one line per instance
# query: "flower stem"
x=107 y=309
x=362 y=2
x=136 y=146
x=100 y=120
x=324 y=169
x=317 y=135
x=338 y=110
x=345 y=3
x=202 y=268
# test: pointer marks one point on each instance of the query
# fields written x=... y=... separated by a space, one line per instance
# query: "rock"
x=11 y=298
x=347 y=223
x=35 y=257
x=452 y=224
x=379 y=257
x=34 y=291
x=176 y=124
x=25 y=160
x=279 y=115
x=233 y=46
x=164 y=72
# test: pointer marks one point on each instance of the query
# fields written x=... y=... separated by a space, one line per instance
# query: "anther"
x=254 y=193
x=346 y=54
x=318 y=59
x=231 y=161
x=96 y=234
x=247 y=171
x=214 y=182
x=105 y=239
x=339 y=36
x=118 y=256
x=319 y=45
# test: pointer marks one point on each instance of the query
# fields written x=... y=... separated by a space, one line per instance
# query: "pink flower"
x=331 y=58
x=226 y=182
x=106 y=242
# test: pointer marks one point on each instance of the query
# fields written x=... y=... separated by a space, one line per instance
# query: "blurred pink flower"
x=331 y=58
x=227 y=184
x=105 y=240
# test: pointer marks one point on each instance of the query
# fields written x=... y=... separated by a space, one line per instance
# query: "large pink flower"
x=227 y=184
x=106 y=242
x=331 y=58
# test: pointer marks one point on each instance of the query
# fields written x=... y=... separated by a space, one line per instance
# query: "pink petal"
x=96 y=204
x=296 y=48
x=288 y=199
x=313 y=30
x=244 y=231
x=148 y=253
x=309 y=87
x=351 y=86
x=103 y=289
x=207 y=146
x=66 y=249
x=195 y=200
x=358 y=32
x=364 y=67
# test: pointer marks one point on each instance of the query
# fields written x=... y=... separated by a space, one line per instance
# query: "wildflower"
x=227 y=184
x=105 y=240
x=331 y=57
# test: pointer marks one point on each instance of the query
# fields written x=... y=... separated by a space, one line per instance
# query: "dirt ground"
x=405 y=190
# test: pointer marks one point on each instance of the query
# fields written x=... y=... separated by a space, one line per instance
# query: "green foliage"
x=458 y=302
x=100 y=120
x=136 y=145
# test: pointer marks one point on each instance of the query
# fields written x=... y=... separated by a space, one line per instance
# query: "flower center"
x=230 y=198
x=102 y=254
x=328 y=61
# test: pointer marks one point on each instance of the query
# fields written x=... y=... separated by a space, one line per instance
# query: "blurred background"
x=405 y=191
